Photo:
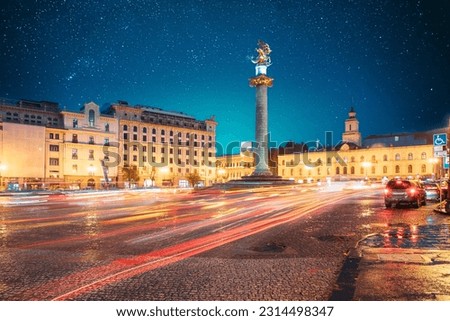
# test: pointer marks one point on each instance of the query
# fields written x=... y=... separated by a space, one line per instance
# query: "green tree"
x=193 y=179
x=130 y=174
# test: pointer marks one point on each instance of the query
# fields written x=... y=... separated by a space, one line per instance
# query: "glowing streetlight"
x=433 y=161
x=2 y=169
x=91 y=170
x=221 y=173
x=366 y=165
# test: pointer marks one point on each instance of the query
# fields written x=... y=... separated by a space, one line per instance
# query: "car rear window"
x=399 y=184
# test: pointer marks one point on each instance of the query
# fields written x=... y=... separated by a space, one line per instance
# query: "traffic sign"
x=440 y=154
x=440 y=139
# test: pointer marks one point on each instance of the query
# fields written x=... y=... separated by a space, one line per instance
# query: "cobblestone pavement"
x=299 y=260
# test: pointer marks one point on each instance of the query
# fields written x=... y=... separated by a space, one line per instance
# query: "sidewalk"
x=386 y=274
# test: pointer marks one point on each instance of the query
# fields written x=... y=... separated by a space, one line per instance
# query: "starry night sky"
x=390 y=59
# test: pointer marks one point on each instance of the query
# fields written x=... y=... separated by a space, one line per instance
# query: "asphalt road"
x=263 y=244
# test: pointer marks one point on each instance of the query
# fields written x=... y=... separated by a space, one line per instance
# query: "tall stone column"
x=261 y=82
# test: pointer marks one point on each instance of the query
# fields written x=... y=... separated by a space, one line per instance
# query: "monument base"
x=259 y=181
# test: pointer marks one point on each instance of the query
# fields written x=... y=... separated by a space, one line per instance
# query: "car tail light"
x=412 y=191
x=387 y=191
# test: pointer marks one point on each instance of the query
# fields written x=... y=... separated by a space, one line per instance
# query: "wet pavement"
x=405 y=262
x=287 y=244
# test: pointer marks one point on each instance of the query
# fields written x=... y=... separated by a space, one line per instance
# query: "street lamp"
x=91 y=170
x=366 y=165
x=164 y=171
x=433 y=161
x=221 y=172
x=2 y=168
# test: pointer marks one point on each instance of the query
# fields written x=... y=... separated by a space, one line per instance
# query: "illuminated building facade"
x=90 y=148
x=25 y=160
x=44 y=147
x=162 y=148
x=407 y=155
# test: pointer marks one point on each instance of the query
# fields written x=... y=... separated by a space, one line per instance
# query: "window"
x=54 y=148
x=385 y=158
x=91 y=154
x=374 y=158
x=74 y=168
x=410 y=169
x=373 y=170
x=397 y=169
x=91 y=118
x=106 y=142
x=135 y=129
x=107 y=127
x=135 y=137
x=397 y=157
x=384 y=169
x=91 y=140
x=338 y=170
x=56 y=136
x=424 y=155
x=74 y=153
x=74 y=138
x=54 y=161
x=144 y=130
x=75 y=123
x=51 y=136
x=410 y=156
x=163 y=132
x=352 y=170
x=125 y=128
x=424 y=168
x=125 y=136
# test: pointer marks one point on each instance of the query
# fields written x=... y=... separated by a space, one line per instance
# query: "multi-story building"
x=161 y=148
x=44 y=147
x=28 y=159
x=90 y=148
x=379 y=156
x=408 y=155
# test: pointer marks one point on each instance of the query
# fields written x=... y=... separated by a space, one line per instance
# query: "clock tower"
x=351 y=133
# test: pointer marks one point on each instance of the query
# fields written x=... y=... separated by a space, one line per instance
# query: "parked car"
x=402 y=191
x=433 y=191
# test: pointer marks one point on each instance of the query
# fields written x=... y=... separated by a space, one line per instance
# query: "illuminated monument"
x=262 y=174
x=261 y=82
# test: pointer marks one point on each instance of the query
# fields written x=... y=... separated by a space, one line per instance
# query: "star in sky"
x=388 y=59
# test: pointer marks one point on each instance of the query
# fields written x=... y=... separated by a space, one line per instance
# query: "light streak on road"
x=190 y=225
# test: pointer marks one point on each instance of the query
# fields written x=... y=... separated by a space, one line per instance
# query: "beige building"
x=90 y=148
x=234 y=166
x=25 y=158
x=162 y=148
x=44 y=147
x=408 y=155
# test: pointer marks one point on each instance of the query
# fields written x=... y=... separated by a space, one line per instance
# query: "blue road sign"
x=439 y=139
